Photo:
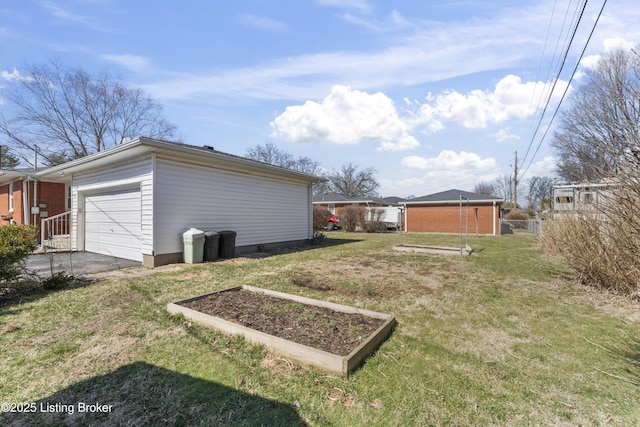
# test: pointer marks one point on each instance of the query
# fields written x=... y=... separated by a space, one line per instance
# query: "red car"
x=333 y=223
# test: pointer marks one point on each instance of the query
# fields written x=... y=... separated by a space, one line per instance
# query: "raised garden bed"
x=332 y=337
x=439 y=250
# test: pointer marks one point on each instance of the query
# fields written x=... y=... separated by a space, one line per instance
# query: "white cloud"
x=349 y=116
x=544 y=167
x=394 y=22
x=449 y=160
x=360 y=5
x=10 y=76
x=511 y=98
x=398 y=19
x=400 y=187
x=446 y=171
x=504 y=135
x=345 y=116
x=612 y=44
x=261 y=23
x=590 y=61
x=131 y=62
x=66 y=15
x=609 y=45
x=419 y=52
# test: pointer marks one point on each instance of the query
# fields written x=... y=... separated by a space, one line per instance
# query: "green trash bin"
x=227 y=244
x=193 y=245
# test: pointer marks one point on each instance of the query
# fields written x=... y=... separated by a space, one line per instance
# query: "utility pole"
x=515 y=182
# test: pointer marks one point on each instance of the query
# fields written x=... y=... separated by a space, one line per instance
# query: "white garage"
x=135 y=200
x=112 y=223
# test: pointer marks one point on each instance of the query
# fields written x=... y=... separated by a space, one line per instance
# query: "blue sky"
x=434 y=95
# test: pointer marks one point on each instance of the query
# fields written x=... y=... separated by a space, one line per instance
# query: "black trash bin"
x=211 y=245
x=227 y=244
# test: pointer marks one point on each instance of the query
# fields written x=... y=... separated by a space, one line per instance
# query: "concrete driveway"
x=76 y=263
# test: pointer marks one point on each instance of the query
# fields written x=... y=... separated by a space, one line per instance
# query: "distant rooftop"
x=454 y=196
x=341 y=198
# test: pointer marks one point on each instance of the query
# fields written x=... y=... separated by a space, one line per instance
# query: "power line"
x=535 y=103
x=555 y=82
x=568 y=84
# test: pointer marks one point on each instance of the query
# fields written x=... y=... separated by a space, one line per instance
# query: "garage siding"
x=259 y=209
x=120 y=176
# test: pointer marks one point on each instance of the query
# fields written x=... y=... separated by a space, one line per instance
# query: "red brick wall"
x=17 y=213
x=446 y=219
x=4 y=202
x=18 y=202
x=52 y=194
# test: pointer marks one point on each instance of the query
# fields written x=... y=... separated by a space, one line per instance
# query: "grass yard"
x=504 y=337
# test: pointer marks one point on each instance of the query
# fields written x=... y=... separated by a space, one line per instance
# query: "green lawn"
x=504 y=337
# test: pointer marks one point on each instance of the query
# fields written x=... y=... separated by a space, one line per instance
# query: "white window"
x=332 y=208
x=11 y=197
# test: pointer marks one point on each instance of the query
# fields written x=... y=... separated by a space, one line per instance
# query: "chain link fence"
x=533 y=225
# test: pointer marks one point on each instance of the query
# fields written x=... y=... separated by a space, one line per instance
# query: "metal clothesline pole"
x=461 y=224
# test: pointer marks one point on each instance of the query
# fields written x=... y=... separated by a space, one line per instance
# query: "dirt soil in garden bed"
x=318 y=327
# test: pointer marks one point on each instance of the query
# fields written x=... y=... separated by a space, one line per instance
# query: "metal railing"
x=55 y=231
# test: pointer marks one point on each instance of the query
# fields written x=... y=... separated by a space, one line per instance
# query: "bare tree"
x=600 y=128
x=600 y=138
x=69 y=113
x=503 y=187
x=540 y=189
x=486 y=188
x=270 y=153
x=349 y=181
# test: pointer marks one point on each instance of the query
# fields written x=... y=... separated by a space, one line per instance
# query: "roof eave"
x=139 y=146
x=452 y=202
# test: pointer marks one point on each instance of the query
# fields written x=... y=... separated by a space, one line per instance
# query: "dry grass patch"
x=498 y=338
x=487 y=344
x=381 y=274
x=279 y=364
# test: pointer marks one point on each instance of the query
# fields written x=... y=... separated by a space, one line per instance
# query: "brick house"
x=26 y=199
x=440 y=213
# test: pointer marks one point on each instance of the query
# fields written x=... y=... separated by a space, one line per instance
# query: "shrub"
x=373 y=221
x=352 y=217
x=16 y=244
x=517 y=216
x=602 y=247
x=355 y=218
x=320 y=216
x=59 y=280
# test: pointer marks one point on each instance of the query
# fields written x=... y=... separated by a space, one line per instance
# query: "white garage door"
x=112 y=223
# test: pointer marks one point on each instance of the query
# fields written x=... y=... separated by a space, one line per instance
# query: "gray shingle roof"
x=331 y=197
x=454 y=196
x=394 y=199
